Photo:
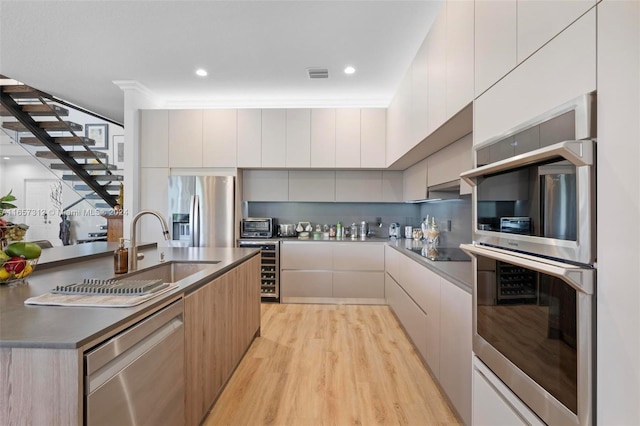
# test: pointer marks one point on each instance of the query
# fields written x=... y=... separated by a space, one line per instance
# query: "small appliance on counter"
x=286 y=230
x=257 y=227
x=394 y=230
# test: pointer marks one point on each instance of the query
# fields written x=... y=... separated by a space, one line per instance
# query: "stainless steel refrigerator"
x=201 y=211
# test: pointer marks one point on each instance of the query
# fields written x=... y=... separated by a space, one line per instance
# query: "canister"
x=408 y=232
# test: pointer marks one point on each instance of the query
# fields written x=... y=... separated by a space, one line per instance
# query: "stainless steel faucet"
x=133 y=251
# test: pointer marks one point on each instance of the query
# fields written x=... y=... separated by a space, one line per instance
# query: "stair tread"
x=75 y=154
x=83 y=187
x=62 y=166
x=101 y=178
x=37 y=110
x=20 y=89
x=62 y=140
x=46 y=125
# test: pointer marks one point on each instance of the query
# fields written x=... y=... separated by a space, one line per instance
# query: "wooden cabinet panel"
x=154 y=138
x=219 y=138
x=312 y=185
x=274 y=134
x=437 y=71
x=347 y=137
x=455 y=347
x=306 y=284
x=495 y=41
x=447 y=164
x=541 y=20
x=298 y=138
x=358 y=285
x=323 y=137
x=373 y=135
x=459 y=81
x=358 y=257
x=541 y=83
x=310 y=255
x=415 y=182
x=185 y=138
x=358 y=185
x=392 y=186
x=265 y=185
x=249 y=138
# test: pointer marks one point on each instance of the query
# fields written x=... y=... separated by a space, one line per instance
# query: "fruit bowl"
x=16 y=270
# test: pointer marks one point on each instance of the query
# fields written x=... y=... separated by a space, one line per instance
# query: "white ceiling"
x=256 y=52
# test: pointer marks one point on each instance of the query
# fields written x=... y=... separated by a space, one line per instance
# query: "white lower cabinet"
x=328 y=272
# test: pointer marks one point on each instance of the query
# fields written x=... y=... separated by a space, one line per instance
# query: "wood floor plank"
x=331 y=365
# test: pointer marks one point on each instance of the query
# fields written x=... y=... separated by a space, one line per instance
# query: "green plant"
x=5 y=203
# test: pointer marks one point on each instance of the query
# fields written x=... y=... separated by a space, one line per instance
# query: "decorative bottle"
x=121 y=259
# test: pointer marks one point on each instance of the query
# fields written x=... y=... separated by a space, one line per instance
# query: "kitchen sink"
x=170 y=272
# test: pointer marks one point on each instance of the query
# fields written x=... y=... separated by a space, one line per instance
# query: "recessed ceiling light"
x=349 y=70
x=6 y=158
x=200 y=72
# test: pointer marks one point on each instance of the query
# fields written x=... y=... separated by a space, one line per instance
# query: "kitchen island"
x=42 y=348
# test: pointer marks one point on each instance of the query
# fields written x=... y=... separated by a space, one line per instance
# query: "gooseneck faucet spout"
x=133 y=251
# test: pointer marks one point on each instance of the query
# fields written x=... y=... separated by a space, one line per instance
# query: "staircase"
x=40 y=124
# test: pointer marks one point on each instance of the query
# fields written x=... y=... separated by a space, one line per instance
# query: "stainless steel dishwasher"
x=137 y=377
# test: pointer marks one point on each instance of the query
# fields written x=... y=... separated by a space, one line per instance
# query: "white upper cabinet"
x=460 y=16
x=298 y=138
x=560 y=71
x=495 y=41
x=274 y=137
x=347 y=137
x=323 y=137
x=415 y=181
x=359 y=185
x=392 y=186
x=447 y=164
x=219 y=137
x=185 y=138
x=399 y=122
x=437 y=71
x=420 y=95
x=373 y=129
x=265 y=185
x=541 y=20
x=154 y=138
x=249 y=138
x=312 y=185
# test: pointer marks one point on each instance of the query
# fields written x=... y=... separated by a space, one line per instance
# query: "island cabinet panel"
x=219 y=138
x=274 y=137
x=298 y=138
x=249 y=138
x=221 y=319
x=185 y=138
x=154 y=138
x=41 y=386
x=323 y=137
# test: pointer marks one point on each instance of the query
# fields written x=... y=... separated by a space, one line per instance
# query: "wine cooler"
x=269 y=267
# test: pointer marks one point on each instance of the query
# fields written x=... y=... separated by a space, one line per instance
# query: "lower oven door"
x=536 y=334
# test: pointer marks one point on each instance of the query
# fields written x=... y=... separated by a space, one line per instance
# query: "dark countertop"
x=459 y=273
x=82 y=327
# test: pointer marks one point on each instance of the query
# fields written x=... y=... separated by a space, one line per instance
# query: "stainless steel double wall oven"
x=534 y=254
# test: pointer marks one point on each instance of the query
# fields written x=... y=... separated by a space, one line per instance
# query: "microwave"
x=257 y=227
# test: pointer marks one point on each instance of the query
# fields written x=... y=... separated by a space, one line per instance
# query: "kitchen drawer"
x=306 y=284
x=358 y=257
x=309 y=256
x=358 y=285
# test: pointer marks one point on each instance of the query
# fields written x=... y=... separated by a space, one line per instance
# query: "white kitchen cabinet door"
x=219 y=138
x=154 y=182
x=347 y=137
x=437 y=71
x=306 y=284
x=298 y=138
x=358 y=257
x=306 y=256
x=265 y=185
x=373 y=135
x=392 y=186
x=274 y=137
x=459 y=86
x=323 y=137
x=399 y=125
x=392 y=262
x=249 y=138
x=420 y=94
x=358 y=185
x=358 y=285
x=541 y=20
x=185 y=138
x=415 y=182
x=154 y=138
x=495 y=41
x=562 y=70
x=456 y=347
x=447 y=164
x=312 y=185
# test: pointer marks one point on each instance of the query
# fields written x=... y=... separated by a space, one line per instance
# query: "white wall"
x=618 y=292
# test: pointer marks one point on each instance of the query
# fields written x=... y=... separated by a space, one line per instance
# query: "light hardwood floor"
x=330 y=365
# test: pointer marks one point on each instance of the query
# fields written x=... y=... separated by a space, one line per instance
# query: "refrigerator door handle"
x=194 y=221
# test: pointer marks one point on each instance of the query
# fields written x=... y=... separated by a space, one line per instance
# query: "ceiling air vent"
x=318 y=72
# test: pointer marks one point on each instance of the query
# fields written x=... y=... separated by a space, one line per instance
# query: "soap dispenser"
x=121 y=259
